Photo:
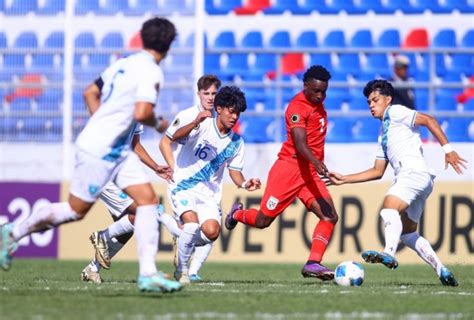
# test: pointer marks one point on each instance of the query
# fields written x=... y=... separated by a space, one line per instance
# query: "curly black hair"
x=230 y=97
x=383 y=86
x=317 y=72
x=158 y=34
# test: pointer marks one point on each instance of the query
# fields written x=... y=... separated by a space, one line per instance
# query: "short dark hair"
x=382 y=86
x=317 y=72
x=158 y=34
x=230 y=97
x=208 y=80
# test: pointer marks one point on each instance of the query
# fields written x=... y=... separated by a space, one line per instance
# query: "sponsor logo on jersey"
x=272 y=203
x=93 y=189
x=295 y=118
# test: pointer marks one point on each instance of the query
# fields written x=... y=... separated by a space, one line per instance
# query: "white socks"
x=114 y=248
x=393 y=230
x=120 y=227
x=45 y=218
x=146 y=232
x=171 y=224
x=424 y=250
x=186 y=245
x=200 y=256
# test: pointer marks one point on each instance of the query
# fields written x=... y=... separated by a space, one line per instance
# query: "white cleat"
x=101 y=249
x=87 y=275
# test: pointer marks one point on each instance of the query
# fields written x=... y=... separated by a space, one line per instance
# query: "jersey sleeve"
x=296 y=115
x=237 y=162
x=149 y=85
x=402 y=114
x=182 y=118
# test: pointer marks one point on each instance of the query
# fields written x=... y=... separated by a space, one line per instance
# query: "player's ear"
x=218 y=109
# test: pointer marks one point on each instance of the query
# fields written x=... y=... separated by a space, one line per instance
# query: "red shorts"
x=288 y=180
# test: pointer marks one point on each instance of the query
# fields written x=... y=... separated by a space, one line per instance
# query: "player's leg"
x=419 y=244
x=200 y=255
x=283 y=183
x=186 y=244
x=317 y=199
x=134 y=181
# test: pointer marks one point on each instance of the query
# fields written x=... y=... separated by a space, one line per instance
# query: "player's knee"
x=211 y=230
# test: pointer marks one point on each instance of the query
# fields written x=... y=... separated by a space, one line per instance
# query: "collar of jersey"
x=217 y=130
x=386 y=111
x=149 y=55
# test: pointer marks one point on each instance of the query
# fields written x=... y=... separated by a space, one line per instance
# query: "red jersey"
x=313 y=118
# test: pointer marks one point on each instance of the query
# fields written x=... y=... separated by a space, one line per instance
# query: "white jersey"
x=400 y=143
x=109 y=132
x=200 y=162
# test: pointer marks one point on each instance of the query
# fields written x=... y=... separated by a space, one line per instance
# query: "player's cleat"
x=447 y=278
x=182 y=277
x=193 y=278
x=87 y=275
x=230 y=222
x=7 y=246
x=157 y=283
x=387 y=260
x=317 y=270
x=101 y=249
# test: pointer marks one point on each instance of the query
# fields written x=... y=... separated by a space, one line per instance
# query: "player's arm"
x=451 y=157
x=299 y=137
x=144 y=114
x=166 y=150
x=163 y=171
x=251 y=184
x=374 y=173
x=91 y=95
x=185 y=130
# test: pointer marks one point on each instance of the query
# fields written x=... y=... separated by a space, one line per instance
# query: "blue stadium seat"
x=20 y=104
x=347 y=6
x=252 y=39
x=55 y=40
x=256 y=129
x=357 y=101
x=446 y=99
x=21 y=7
x=456 y=129
x=84 y=7
x=323 y=59
x=223 y=6
x=142 y=7
x=333 y=102
x=362 y=39
x=430 y=5
x=280 y=6
x=225 y=39
x=52 y=7
x=26 y=39
x=464 y=62
x=280 y=39
x=366 y=130
x=463 y=6
x=389 y=38
x=3 y=40
x=16 y=60
x=182 y=6
x=112 y=7
x=375 y=6
x=403 y=5
x=469 y=105
x=421 y=99
x=445 y=38
x=334 y=39
x=51 y=100
x=316 y=6
x=339 y=130
x=112 y=40
x=84 y=40
x=377 y=63
x=307 y=39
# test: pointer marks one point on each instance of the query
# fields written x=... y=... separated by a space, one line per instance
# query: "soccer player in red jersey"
x=297 y=172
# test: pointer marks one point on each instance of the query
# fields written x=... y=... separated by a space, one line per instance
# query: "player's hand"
x=335 y=178
x=162 y=125
x=253 y=184
x=321 y=168
x=164 y=172
x=203 y=115
x=455 y=161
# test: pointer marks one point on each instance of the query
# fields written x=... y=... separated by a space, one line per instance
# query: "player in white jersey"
x=107 y=243
x=103 y=154
x=208 y=147
x=207 y=86
x=400 y=145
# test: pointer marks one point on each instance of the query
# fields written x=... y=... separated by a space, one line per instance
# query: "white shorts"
x=91 y=174
x=413 y=187
x=115 y=199
x=189 y=200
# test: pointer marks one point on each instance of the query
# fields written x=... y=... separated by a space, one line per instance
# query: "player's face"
x=226 y=118
x=206 y=97
x=315 y=90
x=378 y=103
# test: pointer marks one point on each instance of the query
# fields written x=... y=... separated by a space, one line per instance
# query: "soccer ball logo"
x=349 y=273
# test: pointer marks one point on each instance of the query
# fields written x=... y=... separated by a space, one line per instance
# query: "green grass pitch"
x=46 y=289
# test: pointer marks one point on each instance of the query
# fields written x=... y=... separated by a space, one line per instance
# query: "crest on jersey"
x=176 y=122
x=184 y=202
x=196 y=126
x=272 y=203
x=157 y=87
x=295 y=118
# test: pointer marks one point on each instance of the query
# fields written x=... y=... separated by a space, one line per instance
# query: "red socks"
x=247 y=217
x=321 y=235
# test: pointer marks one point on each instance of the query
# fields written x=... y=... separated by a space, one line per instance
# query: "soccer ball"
x=349 y=273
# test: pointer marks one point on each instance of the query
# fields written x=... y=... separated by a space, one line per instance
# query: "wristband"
x=447 y=148
x=243 y=184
